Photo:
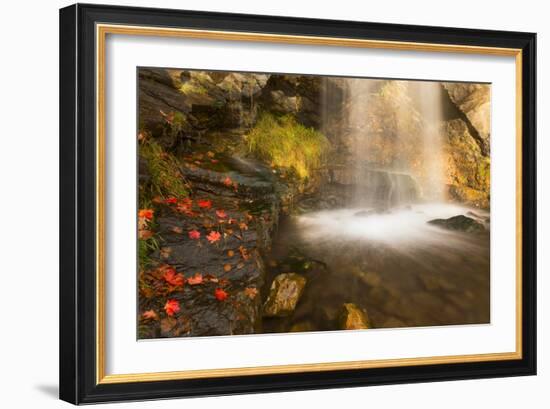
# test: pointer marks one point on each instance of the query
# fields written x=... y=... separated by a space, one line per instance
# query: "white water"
x=399 y=225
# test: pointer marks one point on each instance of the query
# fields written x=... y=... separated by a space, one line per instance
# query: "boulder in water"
x=459 y=223
x=353 y=317
x=286 y=290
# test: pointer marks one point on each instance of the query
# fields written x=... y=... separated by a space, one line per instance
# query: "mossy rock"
x=286 y=290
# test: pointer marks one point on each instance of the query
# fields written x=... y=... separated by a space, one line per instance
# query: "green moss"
x=288 y=144
x=191 y=87
x=165 y=176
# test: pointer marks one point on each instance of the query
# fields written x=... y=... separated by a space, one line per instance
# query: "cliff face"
x=468 y=143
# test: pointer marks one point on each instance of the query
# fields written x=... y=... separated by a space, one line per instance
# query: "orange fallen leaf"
x=230 y=253
x=194 y=234
x=251 y=292
x=177 y=229
x=220 y=294
x=146 y=213
x=221 y=213
x=213 y=236
x=172 y=307
x=196 y=279
x=149 y=315
x=204 y=203
x=227 y=267
x=170 y=276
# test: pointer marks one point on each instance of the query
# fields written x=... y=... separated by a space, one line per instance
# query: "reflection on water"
x=402 y=270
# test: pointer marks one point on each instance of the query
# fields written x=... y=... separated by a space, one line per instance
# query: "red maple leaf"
x=171 y=307
x=194 y=234
x=220 y=294
x=171 y=200
x=196 y=279
x=204 y=203
x=170 y=276
x=146 y=213
x=213 y=236
x=221 y=213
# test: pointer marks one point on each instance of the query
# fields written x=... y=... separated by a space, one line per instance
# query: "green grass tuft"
x=166 y=178
x=284 y=142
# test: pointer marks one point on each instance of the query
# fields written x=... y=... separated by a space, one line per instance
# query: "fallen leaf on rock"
x=171 y=200
x=177 y=229
x=230 y=253
x=194 y=234
x=243 y=226
x=149 y=315
x=220 y=294
x=213 y=236
x=221 y=213
x=204 y=203
x=210 y=154
x=146 y=213
x=227 y=267
x=172 y=307
x=196 y=279
x=170 y=276
x=251 y=292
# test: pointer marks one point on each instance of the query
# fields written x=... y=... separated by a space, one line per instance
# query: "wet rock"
x=286 y=290
x=352 y=317
x=468 y=167
x=459 y=223
x=474 y=101
x=305 y=326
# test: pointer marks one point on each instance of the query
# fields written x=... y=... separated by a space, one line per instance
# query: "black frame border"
x=78 y=197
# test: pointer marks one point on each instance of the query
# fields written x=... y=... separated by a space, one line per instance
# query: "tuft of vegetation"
x=284 y=142
x=145 y=248
x=164 y=170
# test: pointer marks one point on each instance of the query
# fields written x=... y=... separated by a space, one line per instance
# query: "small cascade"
x=395 y=142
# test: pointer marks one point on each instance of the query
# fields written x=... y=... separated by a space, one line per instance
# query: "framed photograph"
x=257 y=203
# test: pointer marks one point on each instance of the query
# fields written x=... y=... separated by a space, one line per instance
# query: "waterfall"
x=394 y=141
